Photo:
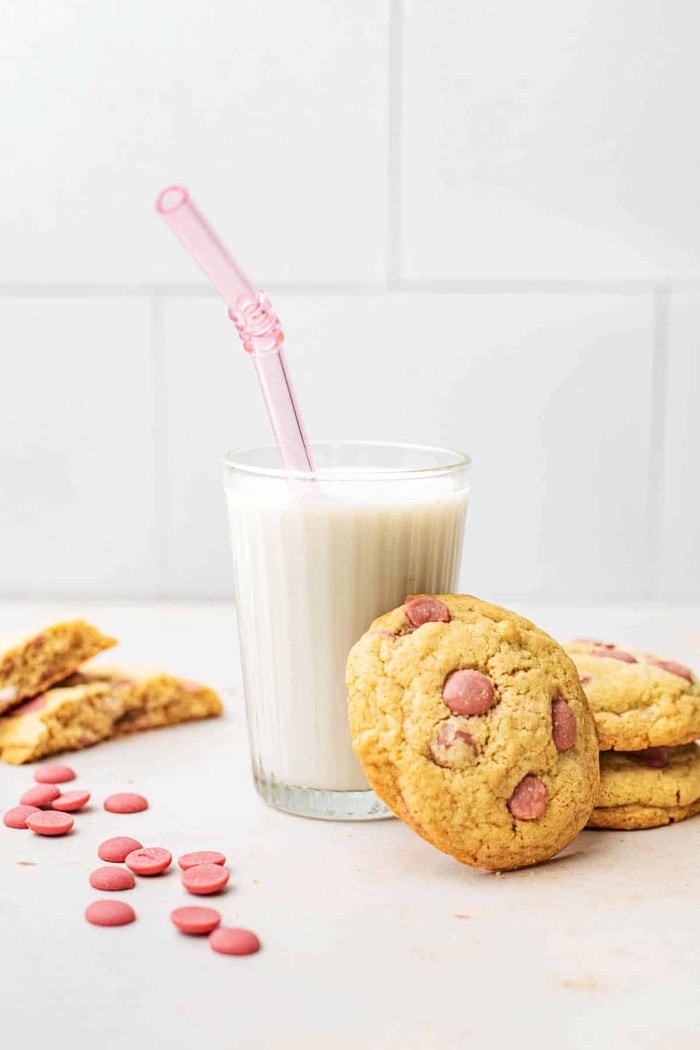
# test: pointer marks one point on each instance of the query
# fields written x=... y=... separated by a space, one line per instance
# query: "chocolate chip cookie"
x=471 y=724
x=646 y=789
x=639 y=699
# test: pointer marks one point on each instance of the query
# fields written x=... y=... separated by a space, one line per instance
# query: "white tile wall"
x=547 y=139
x=275 y=113
x=530 y=386
x=77 y=512
x=539 y=153
x=680 y=494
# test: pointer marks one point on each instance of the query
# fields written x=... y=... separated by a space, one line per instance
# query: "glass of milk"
x=315 y=562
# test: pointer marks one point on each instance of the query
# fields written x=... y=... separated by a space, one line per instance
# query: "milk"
x=312 y=572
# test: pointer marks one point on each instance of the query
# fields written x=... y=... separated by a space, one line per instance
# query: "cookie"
x=156 y=698
x=638 y=699
x=96 y=704
x=32 y=663
x=646 y=789
x=65 y=718
x=472 y=726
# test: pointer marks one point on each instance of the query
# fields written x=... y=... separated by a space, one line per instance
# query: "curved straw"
x=252 y=313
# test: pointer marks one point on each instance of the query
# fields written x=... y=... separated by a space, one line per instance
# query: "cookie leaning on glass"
x=471 y=724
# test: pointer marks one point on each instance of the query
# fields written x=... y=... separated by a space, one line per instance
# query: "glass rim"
x=459 y=461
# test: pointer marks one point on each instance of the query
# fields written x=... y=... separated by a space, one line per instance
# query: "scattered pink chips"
x=112 y=879
x=109 y=913
x=125 y=802
x=69 y=801
x=17 y=816
x=204 y=856
x=49 y=823
x=54 y=774
x=204 y=878
x=193 y=919
x=40 y=795
x=117 y=849
x=233 y=940
x=150 y=860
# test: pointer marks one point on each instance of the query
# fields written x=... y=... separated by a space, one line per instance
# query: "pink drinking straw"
x=253 y=315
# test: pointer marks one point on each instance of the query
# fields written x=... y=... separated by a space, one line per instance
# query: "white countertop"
x=372 y=939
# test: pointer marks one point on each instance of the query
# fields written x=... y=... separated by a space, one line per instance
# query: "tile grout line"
x=476 y=286
x=657 y=438
x=160 y=444
x=394 y=130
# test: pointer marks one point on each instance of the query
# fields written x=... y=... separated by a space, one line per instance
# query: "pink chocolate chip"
x=593 y=641
x=468 y=693
x=615 y=654
x=448 y=735
x=672 y=667
x=563 y=725
x=656 y=757
x=529 y=800
x=584 y=679
x=426 y=610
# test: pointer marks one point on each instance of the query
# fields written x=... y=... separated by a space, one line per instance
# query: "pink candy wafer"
x=17 y=816
x=40 y=795
x=193 y=919
x=125 y=802
x=54 y=774
x=109 y=913
x=70 y=801
x=204 y=856
x=149 y=860
x=112 y=879
x=233 y=940
x=49 y=822
x=117 y=849
x=205 y=878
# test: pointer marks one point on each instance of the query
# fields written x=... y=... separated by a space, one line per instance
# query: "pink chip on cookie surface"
x=654 y=757
x=563 y=725
x=671 y=667
x=448 y=744
x=529 y=800
x=615 y=654
x=468 y=692
x=427 y=610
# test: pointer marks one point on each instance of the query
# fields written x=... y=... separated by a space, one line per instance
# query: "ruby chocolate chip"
x=672 y=667
x=452 y=746
x=468 y=693
x=563 y=725
x=426 y=610
x=656 y=757
x=529 y=800
x=594 y=642
x=616 y=654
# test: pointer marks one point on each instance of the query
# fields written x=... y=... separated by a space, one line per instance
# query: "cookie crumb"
x=27 y=863
x=461 y=915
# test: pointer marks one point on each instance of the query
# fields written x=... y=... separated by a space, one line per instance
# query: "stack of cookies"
x=647 y=715
x=54 y=698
